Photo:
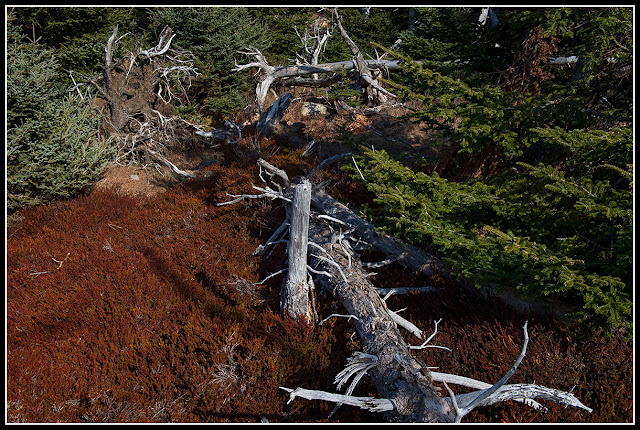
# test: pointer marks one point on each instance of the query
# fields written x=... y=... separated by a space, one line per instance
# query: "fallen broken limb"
x=369 y=403
x=457 y=406
x=169 y=164
x=405 y=384
x=291 y=75
x=408 y=256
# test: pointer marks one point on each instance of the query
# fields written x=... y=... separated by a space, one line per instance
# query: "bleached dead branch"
x=405 y=324
x=367 y=403
x=399 y=290
x=425 y=344
x=459 y=405
x=337 y=315
x=313 y=44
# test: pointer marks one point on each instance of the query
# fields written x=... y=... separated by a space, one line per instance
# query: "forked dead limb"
x=458 y=406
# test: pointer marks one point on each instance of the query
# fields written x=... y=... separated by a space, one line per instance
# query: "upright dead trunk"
x=295 y=298
x=372 y=90
x=117 y=117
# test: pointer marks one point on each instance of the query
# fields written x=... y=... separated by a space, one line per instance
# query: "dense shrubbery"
x=121 y=309
x=155 y=315
x=551 y=211
x=53 y=146
x=543 y=232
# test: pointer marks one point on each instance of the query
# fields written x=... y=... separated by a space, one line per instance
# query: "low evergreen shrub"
x=542 y=231
x=54 y=149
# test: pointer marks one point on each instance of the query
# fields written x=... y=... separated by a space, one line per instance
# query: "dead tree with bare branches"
x=365 y=76
x=404 y=382
x=136 y=93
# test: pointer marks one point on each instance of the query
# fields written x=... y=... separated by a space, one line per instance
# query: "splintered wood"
x=295 y=296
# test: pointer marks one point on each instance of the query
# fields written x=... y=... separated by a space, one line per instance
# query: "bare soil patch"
x=152 y=179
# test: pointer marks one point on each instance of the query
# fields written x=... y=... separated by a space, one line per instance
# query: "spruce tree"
x=540 y=230
x=54 y=149
x=555 y=219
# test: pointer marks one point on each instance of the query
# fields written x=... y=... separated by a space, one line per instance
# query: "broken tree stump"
x=295 y=297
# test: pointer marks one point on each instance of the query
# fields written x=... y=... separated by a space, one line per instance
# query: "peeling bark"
x=295 y=297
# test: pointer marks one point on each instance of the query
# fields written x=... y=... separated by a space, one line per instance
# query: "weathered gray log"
x=404 y=382
x=295 y=298
x=398 y=376
x=408 y=256
x=284 y=74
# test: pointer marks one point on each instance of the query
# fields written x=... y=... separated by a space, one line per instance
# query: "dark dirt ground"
x=380 y=128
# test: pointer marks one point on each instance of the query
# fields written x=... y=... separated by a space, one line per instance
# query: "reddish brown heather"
x=155 y=316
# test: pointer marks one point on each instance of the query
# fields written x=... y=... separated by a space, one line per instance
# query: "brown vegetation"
x=126 y=307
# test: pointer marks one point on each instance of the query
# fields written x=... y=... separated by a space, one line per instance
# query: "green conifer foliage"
x=557 y=220
x=53 y=146
x=477 y=117
x=215 y=35
x=541 y=230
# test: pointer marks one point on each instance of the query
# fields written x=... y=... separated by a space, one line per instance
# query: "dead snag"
x=136 y=92
x=295 y=297
x=374 y=93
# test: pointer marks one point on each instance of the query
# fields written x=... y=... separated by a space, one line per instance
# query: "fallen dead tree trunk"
x=406 y=384
x=395 y=373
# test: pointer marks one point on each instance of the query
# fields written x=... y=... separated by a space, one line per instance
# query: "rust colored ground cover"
x=130 y=309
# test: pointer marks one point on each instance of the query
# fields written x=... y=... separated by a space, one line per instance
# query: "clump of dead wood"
x=323 y=245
